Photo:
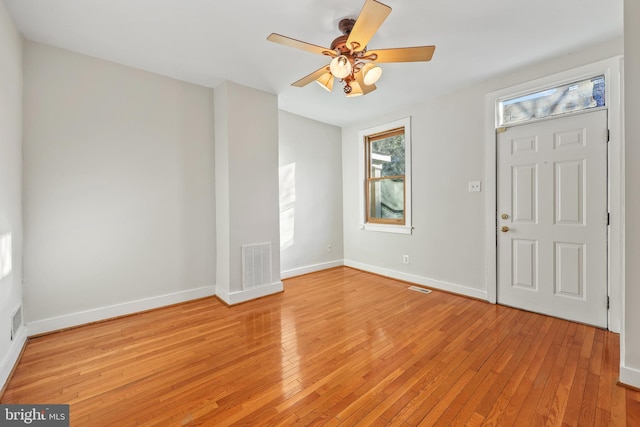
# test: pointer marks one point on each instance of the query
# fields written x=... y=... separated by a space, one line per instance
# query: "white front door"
x=552 y=217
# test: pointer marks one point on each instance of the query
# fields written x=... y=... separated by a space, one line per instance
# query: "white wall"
x=119 y=189
x=447 y=242
x=447 y=247
x=10 y=185
x=246 y=143
x=310 y=194
x=630 y=342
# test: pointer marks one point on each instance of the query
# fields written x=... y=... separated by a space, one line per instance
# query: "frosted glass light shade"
x=356 y=90
x=340 y=67
x=371 y=73
x=326 y=81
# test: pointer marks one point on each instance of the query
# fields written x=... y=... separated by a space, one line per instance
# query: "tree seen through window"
x=386 y=177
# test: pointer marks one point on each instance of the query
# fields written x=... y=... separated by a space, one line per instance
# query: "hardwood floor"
x=339 y=347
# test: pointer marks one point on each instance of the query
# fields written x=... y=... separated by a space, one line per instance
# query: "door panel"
x=569 y=277
x=569 y=187
x=552 y=229
x=525 y=264
x=525 y=193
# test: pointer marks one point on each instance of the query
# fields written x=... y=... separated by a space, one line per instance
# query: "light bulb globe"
x=340 y=67
x=371 y=73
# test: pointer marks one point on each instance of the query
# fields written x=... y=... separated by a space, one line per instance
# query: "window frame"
x=365 y=136
x=368 y=141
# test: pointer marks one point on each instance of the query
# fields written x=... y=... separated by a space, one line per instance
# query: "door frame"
x=611 y=68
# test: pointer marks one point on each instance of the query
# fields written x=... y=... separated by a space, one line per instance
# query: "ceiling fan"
x=351 y=62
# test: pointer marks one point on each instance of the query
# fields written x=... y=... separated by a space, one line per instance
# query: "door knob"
x=504 y=229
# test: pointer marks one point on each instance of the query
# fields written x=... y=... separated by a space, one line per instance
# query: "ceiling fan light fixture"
x=356 y=90
x=326 y=81
x=371 y=73
x=351 y=60
x=340 y=67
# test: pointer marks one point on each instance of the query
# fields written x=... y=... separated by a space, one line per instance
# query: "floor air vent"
x=419 y=289
x=16 y=322
x=256 y=265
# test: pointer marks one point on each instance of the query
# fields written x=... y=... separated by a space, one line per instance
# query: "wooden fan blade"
x=288 y=41
x=365 y=88
x=311 y=77
x=403 y=54
x=371 y=16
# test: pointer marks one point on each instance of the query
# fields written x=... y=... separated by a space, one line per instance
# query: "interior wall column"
x=247 y=189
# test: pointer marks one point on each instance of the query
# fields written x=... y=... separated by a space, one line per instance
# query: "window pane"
x=387 y=156
x=578 y=96
x=386 y=199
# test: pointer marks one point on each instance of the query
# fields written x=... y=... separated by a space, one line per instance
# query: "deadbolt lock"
x=504 y=216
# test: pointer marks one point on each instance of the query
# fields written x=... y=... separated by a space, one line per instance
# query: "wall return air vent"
x=16 y=322
x=256 y=265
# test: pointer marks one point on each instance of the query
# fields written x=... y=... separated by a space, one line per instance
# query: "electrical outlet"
x=405 y=259
x=329 y=248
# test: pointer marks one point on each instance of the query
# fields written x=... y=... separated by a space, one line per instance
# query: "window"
x=385 y=177
x=386 y=201
x=577 y=96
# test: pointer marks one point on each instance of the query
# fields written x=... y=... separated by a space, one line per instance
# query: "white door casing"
x=552 y=187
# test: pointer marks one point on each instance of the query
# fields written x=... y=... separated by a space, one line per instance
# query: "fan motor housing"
x=340 y=43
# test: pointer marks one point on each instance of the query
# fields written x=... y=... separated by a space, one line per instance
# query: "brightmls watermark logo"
x=34 y=415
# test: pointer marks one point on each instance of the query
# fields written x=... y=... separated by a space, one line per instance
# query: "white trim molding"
x=232 y=298
x=406 y=228
x=419 y=280
x=116 y=310
x=630 y=376
x=299 y=271
x=611 y=68
x=11 y=359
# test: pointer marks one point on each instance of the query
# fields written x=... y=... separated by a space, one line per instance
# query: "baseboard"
x=81 y=318
x=232 y=298
x=11 y=359
x=419 y=280
x=311 y=269
x=630 y=376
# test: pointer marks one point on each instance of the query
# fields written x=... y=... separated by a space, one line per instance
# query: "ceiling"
x=209 y=41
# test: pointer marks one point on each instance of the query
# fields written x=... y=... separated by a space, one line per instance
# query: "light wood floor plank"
x=338 y=348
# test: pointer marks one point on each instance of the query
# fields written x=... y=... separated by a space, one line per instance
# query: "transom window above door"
x=569 y=98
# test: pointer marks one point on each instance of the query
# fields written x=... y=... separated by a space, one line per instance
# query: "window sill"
x=385 y=228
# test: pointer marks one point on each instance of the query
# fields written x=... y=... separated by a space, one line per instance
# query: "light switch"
x=474 y=186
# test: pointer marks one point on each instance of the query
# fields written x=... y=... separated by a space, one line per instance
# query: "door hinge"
x=608 y=135
x=608 y=305
x=608 y=218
